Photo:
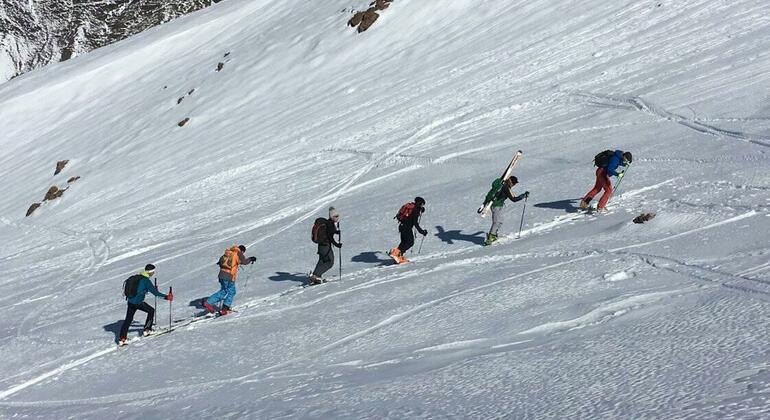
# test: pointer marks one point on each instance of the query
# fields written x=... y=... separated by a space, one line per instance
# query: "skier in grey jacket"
x=325 y=250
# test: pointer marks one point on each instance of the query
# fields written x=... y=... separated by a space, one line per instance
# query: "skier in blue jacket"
x=137 y=303
x=605 y=169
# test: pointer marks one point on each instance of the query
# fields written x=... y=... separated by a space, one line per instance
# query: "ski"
x=176 y=324
x=484 y=209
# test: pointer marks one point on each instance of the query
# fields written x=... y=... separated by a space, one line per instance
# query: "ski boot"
x=584 y=205
x=225 y=310
x=395 y=253
x=315 y=279
x=206 y=305
x=490 y=239
x=122 y=342
x=148 y=332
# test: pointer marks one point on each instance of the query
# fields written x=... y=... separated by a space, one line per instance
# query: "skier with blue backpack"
x=135 y=289
x=607 y=163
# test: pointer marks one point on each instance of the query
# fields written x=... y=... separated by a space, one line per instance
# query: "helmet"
x=419 y=201
x=627 y=157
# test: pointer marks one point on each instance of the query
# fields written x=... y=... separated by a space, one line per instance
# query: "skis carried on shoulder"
x=484 y=209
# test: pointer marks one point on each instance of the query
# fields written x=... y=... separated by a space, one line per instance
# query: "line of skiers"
x=325 y=229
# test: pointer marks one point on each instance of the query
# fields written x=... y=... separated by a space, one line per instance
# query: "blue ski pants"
x=226 y=293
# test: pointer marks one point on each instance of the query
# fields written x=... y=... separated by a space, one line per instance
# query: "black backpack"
x=131 y=285
x=603 y=158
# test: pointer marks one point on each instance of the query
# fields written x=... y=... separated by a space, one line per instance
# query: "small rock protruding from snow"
x=32 y=209
x=363 y=20
x=73 y=179
x=183 y=122
x=227 y=54
x=644 y=217
x=53 y=193
x=60 y=166
x=220 y=66
x=181 y=98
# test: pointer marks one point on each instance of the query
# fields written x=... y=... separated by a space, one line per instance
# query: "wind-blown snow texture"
x=583 y=317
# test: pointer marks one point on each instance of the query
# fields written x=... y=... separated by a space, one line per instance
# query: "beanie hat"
x=242 y=248
x=149 y=267
x=514 y=179
x=419 y=200
x=627 y=156
x=333 y=213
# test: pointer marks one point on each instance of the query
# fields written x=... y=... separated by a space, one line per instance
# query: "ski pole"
x=419 y=218
x=522 y=216
x=340 y=236
x=248 y=276
x=155 y=314
x=171 y=292
x=621 y=179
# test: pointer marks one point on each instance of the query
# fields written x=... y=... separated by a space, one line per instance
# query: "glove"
x=169 y=297
x=526 y=194
x=620 y=175
x=253 y=259
x=339 y=245
x=423 y=232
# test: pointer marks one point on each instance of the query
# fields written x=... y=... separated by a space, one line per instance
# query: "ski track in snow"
x=756 y=288
x=606 y=312
x=638 y=104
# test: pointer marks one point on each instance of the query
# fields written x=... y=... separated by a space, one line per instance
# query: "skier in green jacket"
x=501 y=191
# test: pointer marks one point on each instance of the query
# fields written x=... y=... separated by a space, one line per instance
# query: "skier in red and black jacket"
x=408 y=218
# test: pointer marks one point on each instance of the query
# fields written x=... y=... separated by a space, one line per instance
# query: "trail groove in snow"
x=638 y=104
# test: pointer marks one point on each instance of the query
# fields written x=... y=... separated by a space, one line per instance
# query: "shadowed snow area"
x=583 y=316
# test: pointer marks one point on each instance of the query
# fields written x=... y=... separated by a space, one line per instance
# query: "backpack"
x=228 y=260
x=603 y=158
x=131 y=285
x=405 y=212
x=318 y=233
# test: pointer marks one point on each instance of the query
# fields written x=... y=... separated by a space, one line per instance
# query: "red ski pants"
x=603 y=182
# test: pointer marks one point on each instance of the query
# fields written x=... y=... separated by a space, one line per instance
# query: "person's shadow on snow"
x=286 y=276
x=450 y=236
x=197 y=303
x=568 y=205
x=371 y=257
x=115 y=328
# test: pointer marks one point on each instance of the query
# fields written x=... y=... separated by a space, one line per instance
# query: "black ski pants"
x=325 y=259
x=144 y=307
x=407 y=238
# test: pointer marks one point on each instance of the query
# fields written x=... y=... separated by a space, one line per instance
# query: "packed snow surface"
x=583 y=316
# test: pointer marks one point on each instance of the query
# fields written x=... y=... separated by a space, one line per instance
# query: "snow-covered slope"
x=582 y=317
x=34 y=33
